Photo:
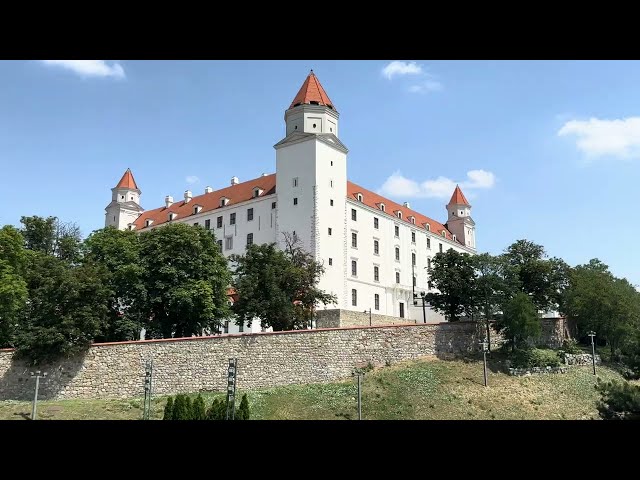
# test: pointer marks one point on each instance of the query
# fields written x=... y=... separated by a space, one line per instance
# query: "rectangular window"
x=249 y=239
x=401 y=309
x=440 y=248
x=397 y=254
x=241 y=327
x=354 y=297
x=428 y=263
x=331 y=183
x=232 y=219
x=330 y=261
x=219 y=222
x=376 y=302
x=295 y=201
x=207 y=224
x=329 y=231
x=413 y=259
x=354 y=240
x=331 y=202
x=413 y=237
x=228 y=243
x=219 y=242
x=354 y=214
x=414 y=281
x=375 y=222
x=397 y=231
x=376 y=274
x=428 y=242
x=376 y=247
x=249 y=214
x=397 y=277
x=226 y=326
x=295 y=182
x=354 y=268
x=273 y=205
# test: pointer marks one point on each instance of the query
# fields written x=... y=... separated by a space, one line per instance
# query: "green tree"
x=217 y=410
x=243 y=412
x=180 y=408
x=199 y=411
x=119 y=252
x=453 y=275
x=186 y=279
x=188 y=408
x=278 y=286
x=52 y=237
x=619 y=401
x=13 y=288
x=168 y=409
x=67 y=305
x=520 y=320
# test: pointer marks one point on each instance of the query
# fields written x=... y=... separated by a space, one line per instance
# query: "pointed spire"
x=312 y=92
x=127 y=181
x=458 y=197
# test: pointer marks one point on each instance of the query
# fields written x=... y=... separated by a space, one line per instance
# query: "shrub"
x=243 y=410
x=198 y=408
x=534 y=357
x=618 y=401
x=188 y=408
x=180 y=411
x=571 y=347
x=217 y=410
x=168 y=409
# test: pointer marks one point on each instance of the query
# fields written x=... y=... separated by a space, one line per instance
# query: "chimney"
x=208 y=190
x=234 y=180
x=406 y=204
x=168 y=201
x=187 y=196
x=264 y=175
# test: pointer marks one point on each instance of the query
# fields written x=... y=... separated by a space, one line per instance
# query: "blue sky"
x=544 y=150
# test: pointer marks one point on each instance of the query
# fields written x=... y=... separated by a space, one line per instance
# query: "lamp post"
x=484 y=345
x=423 y=296
x=369 y=315
x=37 y=376
x=593 y=350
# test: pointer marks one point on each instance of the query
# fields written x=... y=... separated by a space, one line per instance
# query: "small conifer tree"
x=199 y=412
x=188 y=408
x=243 y=410
x=179 y=408
x=168 y=409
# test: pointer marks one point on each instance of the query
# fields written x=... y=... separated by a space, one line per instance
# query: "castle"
x=376 y=252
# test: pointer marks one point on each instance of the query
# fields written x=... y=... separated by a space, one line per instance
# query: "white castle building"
x=375 y=251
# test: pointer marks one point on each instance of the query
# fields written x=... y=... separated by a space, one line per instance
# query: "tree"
x=168 y=409
x=180 y=408
x=217 y=410
x=243 y=412
x=52 y=237
x=199 y=412
x=520 y=320
x=13 y=288
x=453 y=275
x=66 y=308
x=118 y=251
x=619 y=401
x=186 y=280
x=279 y=287
x=188 y=408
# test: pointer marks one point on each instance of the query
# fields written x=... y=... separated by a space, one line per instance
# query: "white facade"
x=311 y=200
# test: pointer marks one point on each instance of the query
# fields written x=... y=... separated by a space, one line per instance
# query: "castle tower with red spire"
x=460 y=223
x=125 y=207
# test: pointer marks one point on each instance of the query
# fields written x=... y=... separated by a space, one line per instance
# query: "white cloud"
x=429 y=85
x=401 y=68
x=89 y=68
x=598 y=138
x=192 y=179
x=442 y=187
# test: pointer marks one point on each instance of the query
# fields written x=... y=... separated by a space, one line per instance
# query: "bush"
x=217 y=410
x=243 y=411
x=198 y=408
x=571 y=347
x=534 y=357
x=180 y=409
x=188 y=407
x=618 y=401
x=168 y=409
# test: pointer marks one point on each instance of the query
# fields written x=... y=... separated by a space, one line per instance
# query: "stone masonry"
x=116 y=370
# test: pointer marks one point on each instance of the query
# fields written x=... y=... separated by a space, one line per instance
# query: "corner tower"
x=311 y=183
x=125 y=203
x=459 y=220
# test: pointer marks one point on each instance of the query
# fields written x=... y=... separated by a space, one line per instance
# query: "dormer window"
x=197 y=209
x=359 y=197
x=427 y=227
x=224 y=201
x=148 y=223
x=412 y=219
x=382 y=207
x=454 y=238
x=257 y=192
x=444 y=233
x=399 y=214
x=172 y=216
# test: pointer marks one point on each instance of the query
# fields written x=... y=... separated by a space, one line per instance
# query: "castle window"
x=331 y=202
x=232 y=219
x=295 y=201
x=397 y=254
x=415 y=282
x=412 y=219
x=122 y=197
x=354 y=214
x=461 y=212
x=413 y=259
x=401 y=309
x=454 y=238
x=295 y=182
x=376 y=274
x=257 y=192
x=249 y=239
x=224 y=201
x=375 y=222
x=382 y=207
x=228 y=243
x=440 y=247
x=172 y=216
x=249 y=214
x=315 y=103
x=428 y=263
x=273 y=205
x=354 y=268
x=359 y=197
x=399 y=214
x=428 y=227
x=207 y=224
x=397 y=231
x=413 y=237
x=226 y=326
x=444 y=233
x=354 y=240
x=219 y=222
x=332 y=163
x=331 y=130
x=219 y=242
x=329 y=230
x=376 y=247
x=354 y=297
x=428 y=243
x=197 y=209
x=376 y=302
x=397 y=277
x=330 y=261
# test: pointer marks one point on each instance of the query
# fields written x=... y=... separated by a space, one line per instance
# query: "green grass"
x=423 y=389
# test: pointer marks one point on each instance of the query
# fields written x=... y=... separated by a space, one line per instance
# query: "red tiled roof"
x=374 y=200
x=209 y=201
x=127 y=181
x=458 y=197
x=312 y=91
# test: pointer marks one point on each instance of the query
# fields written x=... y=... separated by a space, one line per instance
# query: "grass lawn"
x=423 y=389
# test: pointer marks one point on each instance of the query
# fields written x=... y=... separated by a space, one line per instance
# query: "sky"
x=543 y=150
